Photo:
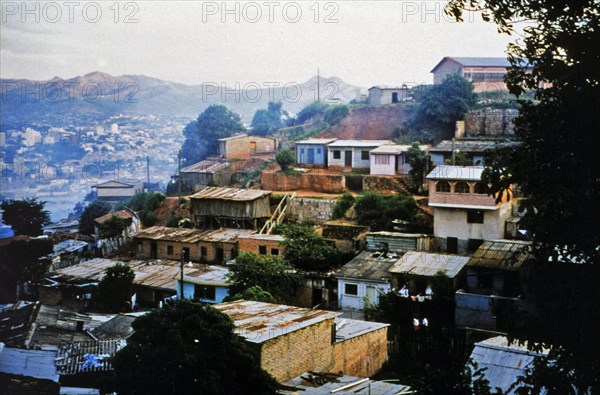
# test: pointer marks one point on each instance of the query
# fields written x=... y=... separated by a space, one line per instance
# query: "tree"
x=342 y=204
x=270 y=274
x=311 y=111
x=26 y=216
x=94 y=210
x=334 y=114
x=112 y=227
x=307 y=250
x=188 y=349
x=255 y=293
x=419 y=162
x=443 y=105
x=202 y=136
x=265 y=122
x=285 y=158
x=115 y=289
x=557 y=168
x=378 y=211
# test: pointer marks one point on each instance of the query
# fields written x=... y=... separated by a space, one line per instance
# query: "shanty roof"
x=206 y=166
x=359 y=143
x=15 y=322
x=474 y=146
x=160 y=273
x=316 y=383
x=68 y=245
x=389 y=87
x=118 y=327
x=183 y=235
x=237 y=136
x=208 y=275
x=428 y=264
x=236 y=194
x=390 y=149
x=123 y=214
x=475 y=62
x=113 y=184
x=316 y=141
x=259 y=236
x=30 y=363
x=503 y=363
x=258 y=322
x=85 y=357
x=347 y=329
x=501 y=254
x=466 y=173
x=368 y=265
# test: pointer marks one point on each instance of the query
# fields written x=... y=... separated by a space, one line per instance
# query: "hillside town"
x=414 y=239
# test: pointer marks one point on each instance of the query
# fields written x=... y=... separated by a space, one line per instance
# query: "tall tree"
x=90 y=213
x=419 y=162
x=26 y=216
x=188 y=349
x=202 y=135
x=116 y=287
x=265 y=122
x=557 y=167
x=270 y=274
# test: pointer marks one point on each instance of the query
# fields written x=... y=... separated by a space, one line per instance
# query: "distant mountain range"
x=101 y=94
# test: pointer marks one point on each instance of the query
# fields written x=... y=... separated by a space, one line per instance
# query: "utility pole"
x=179 y=176
x=318 y=85
x=148 y=168
x=181 y=276
x=453 y=153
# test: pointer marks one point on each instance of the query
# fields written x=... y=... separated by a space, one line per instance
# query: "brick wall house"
x=261 y=245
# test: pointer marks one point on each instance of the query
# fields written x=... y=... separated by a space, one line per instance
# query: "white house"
x=352 y=153
x=116 y=191
x=205 y=283
x=380 y=95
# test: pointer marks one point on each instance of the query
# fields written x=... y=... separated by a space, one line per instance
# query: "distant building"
x=312 y=151
x=486 y=74
x=201 y=174
x=293 y=340
x=131 y=220
x=206 y=284
x=464 y=215
x=243 y=146
x=261 y=244
x=399 y=242
x=116 y=191
x=28 y=372
x=352 y=153
x=380 y=95
x=391 y=160
x=476 y=150
x=316 y=383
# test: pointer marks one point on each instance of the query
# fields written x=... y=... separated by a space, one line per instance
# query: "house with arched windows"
x=464 y=215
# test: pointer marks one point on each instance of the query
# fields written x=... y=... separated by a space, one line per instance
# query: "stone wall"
x=312 y=181
x=317 y=211
x=383 y=184
x=490 y=122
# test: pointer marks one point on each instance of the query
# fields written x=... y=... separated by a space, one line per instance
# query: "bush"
x=285 y=159
x=334 y=114
x=342 y=205
x=378 y=211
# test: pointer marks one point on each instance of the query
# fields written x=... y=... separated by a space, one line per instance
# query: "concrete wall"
x=378 y=97
x=117 y=193
x=490 y=122
x=448 y=67
x=357 y=161
x=241 y=147
x=303 y=157
x=313 y=181
x=388 y=169
x=317 y=211
x=353 y=302
x=331 y=161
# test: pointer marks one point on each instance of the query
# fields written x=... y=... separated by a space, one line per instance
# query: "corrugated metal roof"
x=501 y=254
x=390 y=87
x=475 y=146
x=183 y=235
x=314 y=383
x=390 y=149
x=207 y=275
x=429 y=264
x=85 y=357
x=258 y=236
x=237 y=136
x=31 y=363
x=113 y=184
x=359 y=143
x=316 y=141
x=258 y=322
x=121 y=214
x=346 y=328
x=369 y=266
x=503 y=363
x=15 y=322
x=466 y=173
x=206 y=166
x=118 y=327
x=236 y=194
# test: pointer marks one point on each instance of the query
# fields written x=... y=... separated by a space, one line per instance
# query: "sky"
x=362 y=42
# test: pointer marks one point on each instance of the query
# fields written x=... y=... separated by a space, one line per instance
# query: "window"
x=351 y=289
x=364 y=155
x=319 y=151
x=203 y=252
x=205 y=292
x=461 y=187
x=262 y=250
x=452 y=245
x=140 y=247
x=337 y=154
x=442 y=186
x=382 y=159
x=169 y=250
x=185 y=254
x=475 y=216
x=301 y=151
x=474 y=244
x=275 y=251
x=480 y=188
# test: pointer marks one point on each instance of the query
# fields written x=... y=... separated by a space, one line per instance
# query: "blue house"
x=205 y=283
x=312 y=151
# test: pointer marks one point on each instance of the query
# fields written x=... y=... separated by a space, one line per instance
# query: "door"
x=348 y=158
x=394 y=97
x=452 y=245
x=317 y=297
x=311 y=155
x=371 y=294
x=253 y=148
x=153 y=250
x=220 y=255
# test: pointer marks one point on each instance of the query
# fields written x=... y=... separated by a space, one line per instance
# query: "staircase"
x=278 y=214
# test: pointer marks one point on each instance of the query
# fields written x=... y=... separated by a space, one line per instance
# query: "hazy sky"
x=365 y=42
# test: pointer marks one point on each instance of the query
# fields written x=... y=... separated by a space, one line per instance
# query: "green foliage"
x=285 y=158
x=112 y=227
x=342 y=204
x=442 y=106
x=334 y=114
x=419 y=163
x=115 y=289
x=188 y=349
x=173 y=188
x=266 y=122
x=307 y=250
x=26 y=216
x=146 y=203
x=271 y=274
x=20 y=263
x=255 y=293
x=91 y=212
x=202 y=135
x=378 y=211
x=173 y=220
x=460 y=159
x=311 y=111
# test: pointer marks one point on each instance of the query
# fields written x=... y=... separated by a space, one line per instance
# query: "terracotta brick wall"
x=250 y=245
x=361 y=356
x=195 y=250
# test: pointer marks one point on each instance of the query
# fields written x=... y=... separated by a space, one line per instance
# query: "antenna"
x=148 y=168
